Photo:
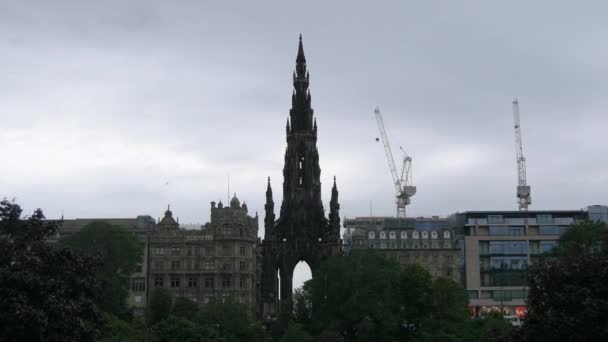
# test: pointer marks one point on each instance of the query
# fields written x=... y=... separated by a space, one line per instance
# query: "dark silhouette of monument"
x=302 y=232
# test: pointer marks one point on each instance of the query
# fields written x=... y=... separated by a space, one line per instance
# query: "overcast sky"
x=104 y=102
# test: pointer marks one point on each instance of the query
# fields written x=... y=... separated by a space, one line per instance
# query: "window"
x=403 y=235
x=446 y=234
x=242 y=282
x=544 y=219
x=159 y=251
x=158 y=281
x=508 y=247
x=138 y=284
x=175 y=265
x=549 y=230
x=174 y=281
x=547 y=246
x=473 y=294
x=433 y=235
x=209 y=282
x=415 y=235
x=190 y=251
x=197 y=265
x=138 y=268
x=209 y=251
x=192 y=281
x=226 y=250
x=372 y=235
x=226 y=282
x=243 y=266
x=383 y=235
x=242 y=251
x=425 y=235
x=175 y=251
x=503 y=230
x=158 y=265
x=392 y=235
x=227 y=266
x=495 y=219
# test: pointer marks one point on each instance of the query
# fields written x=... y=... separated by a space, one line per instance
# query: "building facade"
x=139 y=227
x=499 y=248
x=214 y=262
x=428 y=242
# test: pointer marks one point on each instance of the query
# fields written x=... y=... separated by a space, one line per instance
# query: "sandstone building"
x=216 y=261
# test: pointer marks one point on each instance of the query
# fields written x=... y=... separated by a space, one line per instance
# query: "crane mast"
x=404 y=190
x=523 y=189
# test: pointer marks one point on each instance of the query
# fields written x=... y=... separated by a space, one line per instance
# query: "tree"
x=46 y=293
x=117 y=330
x=177 y=329
x=119 y=251
x=231 y=319
x=295 y=333
x=568 y=298
x=184 y=308
x=357 y=296
x=159 y=306
x=302 y=306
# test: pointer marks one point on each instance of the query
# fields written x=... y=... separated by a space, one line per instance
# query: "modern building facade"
x=214 y=262
x=500 y=246
x=429 y=242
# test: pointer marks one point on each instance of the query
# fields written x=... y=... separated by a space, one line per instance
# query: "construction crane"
x=523 y=189
x=404 y=189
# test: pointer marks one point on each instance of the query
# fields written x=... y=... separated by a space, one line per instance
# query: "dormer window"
x=433 y=235
x=382 y=235
x=372 y=235
x=446 y=234
x=403 y=235
x=425 y=235
x=415 y=235
x=392 y=235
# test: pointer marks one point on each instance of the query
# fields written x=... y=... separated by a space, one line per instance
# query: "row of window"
x=404 y=235
x=227 y=250
x=208 y=282
x=193 y=265
x=540 y=219
x=500 y=295
x=501 y=263
x=409 y=244
x=503 y=247
x=516 y=247
x=505 y=278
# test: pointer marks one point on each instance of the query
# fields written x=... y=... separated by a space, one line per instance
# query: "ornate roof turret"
x=234 y=202
x=168 y=222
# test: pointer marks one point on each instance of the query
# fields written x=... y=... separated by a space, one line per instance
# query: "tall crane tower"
x=523 y=189
x=404 y=189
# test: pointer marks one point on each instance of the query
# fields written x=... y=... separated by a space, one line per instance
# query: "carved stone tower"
x=302 y=232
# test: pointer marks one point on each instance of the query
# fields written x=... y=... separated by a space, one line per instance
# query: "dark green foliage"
x=231 y=319
x=302 y=306
x=176 y=329
x=358 y=296
x=119 y=251
x=159 y=306
x=184 y=308
x=46 y=293
x=295 y=333
x=117 y=330
x=568 y=298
